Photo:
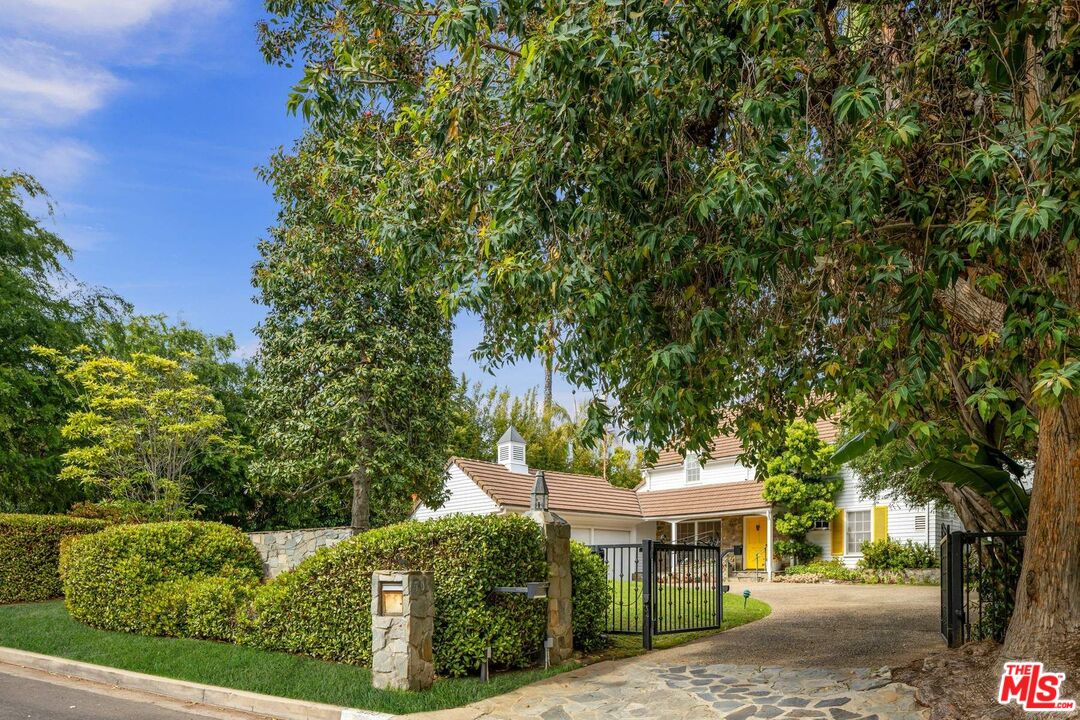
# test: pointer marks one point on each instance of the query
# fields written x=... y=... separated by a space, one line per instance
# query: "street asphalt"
x=24 y=698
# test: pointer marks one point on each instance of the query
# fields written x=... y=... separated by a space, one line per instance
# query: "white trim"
x=705 y=516
x=847 y=527
x=768 y=544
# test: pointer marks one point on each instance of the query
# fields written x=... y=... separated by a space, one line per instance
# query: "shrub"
x=322 y=608
x=828 y=570
x=592 y=597
x=886 y=554
x=30 y=554
x=131 y=577
x=203 y=607
x=801 y=551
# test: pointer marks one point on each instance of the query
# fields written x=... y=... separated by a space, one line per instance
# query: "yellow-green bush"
x=155 y=578
x=323 y=607
x=592 y=597
x=30 y=554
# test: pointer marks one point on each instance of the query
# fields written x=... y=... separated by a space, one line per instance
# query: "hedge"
x=322 y=608
x=161 y=578
x=592 y=597
x=30 y=554
x=886 y=554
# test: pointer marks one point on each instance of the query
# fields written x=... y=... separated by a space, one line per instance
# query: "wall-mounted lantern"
x=540 y=492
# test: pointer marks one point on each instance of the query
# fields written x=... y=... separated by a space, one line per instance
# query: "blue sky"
x=145 y=120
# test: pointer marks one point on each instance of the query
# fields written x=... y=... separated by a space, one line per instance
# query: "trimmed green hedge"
x=174 y=578
x=592 y=597
x=30 y=554
x=322 y=608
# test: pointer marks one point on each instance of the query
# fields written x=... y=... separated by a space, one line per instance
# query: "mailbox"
x=391 y=598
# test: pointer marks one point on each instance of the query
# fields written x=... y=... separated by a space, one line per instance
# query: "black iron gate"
x=979 y=574
x=660 y=588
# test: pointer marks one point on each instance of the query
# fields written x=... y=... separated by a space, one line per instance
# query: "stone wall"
x=283 y=550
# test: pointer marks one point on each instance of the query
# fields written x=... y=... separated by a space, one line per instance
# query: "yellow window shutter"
x=881 y=522
x=838 y=533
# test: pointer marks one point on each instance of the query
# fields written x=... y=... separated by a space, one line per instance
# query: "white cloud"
x=94 y=17
x=41 y=85
x=57 y=162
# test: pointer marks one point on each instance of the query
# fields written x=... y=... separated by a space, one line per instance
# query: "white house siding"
x=466 y=498
x=672 y=477
x=902 y=520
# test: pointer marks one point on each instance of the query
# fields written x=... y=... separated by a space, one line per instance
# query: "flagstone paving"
x=733 y=692
x=800 y=662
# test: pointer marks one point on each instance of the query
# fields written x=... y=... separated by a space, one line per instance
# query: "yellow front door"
x=754 y=536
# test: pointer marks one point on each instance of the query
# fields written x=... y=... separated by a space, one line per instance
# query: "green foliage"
x=800 y=551
x=829 y=570
x=30 y=554
x=219 y=473
x=592 y=597
x=886 y=554
x=555 y=441
x=355 y=382
x=142 y=424
x=323 y=607
x=735 y=211
x=800 y=479
x=48 y=629
x=205 y=607
x=150 y=578
x=34 y=309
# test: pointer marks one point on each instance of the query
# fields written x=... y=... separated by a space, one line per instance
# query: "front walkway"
x=824 y=652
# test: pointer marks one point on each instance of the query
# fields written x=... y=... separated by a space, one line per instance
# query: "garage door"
x=611 y=537
x=582 y=535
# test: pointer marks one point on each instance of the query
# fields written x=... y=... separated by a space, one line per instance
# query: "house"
x=718 y=502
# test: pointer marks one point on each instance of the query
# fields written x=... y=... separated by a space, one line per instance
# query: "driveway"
x=824 y=652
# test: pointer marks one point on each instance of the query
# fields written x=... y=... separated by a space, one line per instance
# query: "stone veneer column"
x=560 y=605
x=401 y=653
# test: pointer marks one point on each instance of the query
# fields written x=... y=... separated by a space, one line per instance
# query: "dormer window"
x=692 y=468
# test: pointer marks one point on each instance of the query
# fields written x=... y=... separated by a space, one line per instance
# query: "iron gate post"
x=647 y=583
x=955 y=591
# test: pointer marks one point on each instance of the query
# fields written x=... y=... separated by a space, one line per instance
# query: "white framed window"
x=692 y=468
x=857 y=530
x=821 y=525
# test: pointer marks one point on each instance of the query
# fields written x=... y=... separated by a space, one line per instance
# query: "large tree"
x=39 y=304
x=354 y=385
x=741 y=211
x=141 y=424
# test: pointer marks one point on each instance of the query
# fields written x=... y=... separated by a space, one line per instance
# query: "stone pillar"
x=560 y=605
x=401 y=630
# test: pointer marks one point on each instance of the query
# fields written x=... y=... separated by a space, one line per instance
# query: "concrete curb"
x=270 y=705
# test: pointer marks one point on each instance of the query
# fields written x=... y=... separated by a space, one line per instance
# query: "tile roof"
x=725 y=446
x=722 y=497
x=566 y=491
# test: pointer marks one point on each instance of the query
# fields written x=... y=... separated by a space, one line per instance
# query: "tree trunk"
x=975 y=512
x=361 y=500
x=549 y=359
x=1045 y=625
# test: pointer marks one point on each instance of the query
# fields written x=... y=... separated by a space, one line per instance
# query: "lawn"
x=48 y=629
x=685 y=606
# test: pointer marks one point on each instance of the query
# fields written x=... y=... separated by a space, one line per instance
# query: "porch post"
x=674 y=531
x=768 y=544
